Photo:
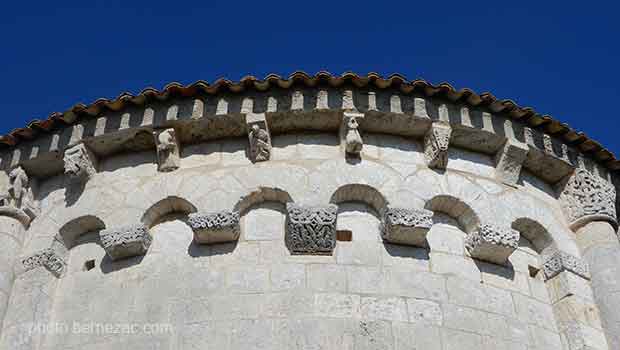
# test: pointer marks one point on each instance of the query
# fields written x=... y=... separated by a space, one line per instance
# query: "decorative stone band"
x=311 y=230
x=560 y=261
x=492 y=244
x=585 y=197
x=406 y=226
x=436 y=144
x=125 y=242
x=216 y=227
x=47 y=258
x=509 y=161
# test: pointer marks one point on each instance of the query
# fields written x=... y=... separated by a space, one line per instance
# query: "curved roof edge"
x=466 y=96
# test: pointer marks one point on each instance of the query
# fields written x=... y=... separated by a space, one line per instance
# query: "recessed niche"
x=533 y=271
x=89 y=265
x=344 y=235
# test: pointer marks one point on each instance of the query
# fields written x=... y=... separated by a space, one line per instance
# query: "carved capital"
x=436 y=144
x=311 y=230
x=585 y=197
x=509 y=161
x=168 y=150
x=216 y=227
x=125 y=242
x=350 y=136
x=560 y=261
x=259 y=137
x=80 y=162
x=47 y=258
x=406 y=226
x=491 y=243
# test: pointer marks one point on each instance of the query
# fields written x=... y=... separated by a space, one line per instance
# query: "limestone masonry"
x=316 y=212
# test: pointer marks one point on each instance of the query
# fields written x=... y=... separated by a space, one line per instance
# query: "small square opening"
x=89 y=265
x=344 y=235
x=534 y=271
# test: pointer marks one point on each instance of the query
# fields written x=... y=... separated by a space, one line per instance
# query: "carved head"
x=352 y=123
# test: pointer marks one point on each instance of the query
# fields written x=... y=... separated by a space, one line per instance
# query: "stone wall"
x=307 y=240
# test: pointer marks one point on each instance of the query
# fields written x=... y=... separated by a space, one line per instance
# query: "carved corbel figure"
x=259 y=137
x=436 y=144
x=168 y=150
x=80 y=162
x=21 y=195
x=352 y=139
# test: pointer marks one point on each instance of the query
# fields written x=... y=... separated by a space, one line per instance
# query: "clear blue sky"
x=562 y=58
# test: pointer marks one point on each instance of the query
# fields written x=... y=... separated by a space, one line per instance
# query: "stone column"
x=588 y=202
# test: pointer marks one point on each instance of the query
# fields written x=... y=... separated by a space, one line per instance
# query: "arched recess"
x=79 y=238
x=72 y=230
x=467 y=218
x=169 y=205
x=262 y=214
x=360 y=193
x=539 y=237
x=260 y=195
x=360 y=208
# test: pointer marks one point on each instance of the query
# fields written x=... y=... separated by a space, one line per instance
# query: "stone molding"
x=215 y=227
x=436 y=144
x=311 y=230
x=168 y=150
x=79 y=162
x=125 y=242
x=259 y=137
x=406 y=226
x=586 y=197
x=560 y=261
x=47 y=258
x=17 y=214
x=491 y=243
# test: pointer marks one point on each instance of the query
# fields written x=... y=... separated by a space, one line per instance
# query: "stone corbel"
x=491 y=243
x=125 y=242
x=259 y=137
x=509 y=161
x=406 y=226
x=215 y=227
x=436 y=143
x=168 y=150
x=586 y=197
x=560 y=261
x=21 y=193
x=311 y=230
x=350 y=137
x=80 y=162
x=47 y=258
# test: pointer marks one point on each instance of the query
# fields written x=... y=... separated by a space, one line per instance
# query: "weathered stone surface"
x=436 y=143
x=350 y=134
x=311 y=230
x=259 y=137
x=509 y=161
x=560 y=261
x=491 y=243
x=406 y=226
x=21 y=193
x=586 y=197
x=215 y=227
x=125 y=242
x=168 y=150
x=80 y=162
x=47 y=258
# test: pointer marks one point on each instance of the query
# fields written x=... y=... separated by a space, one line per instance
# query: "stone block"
x=492 y=244
x=215 y=227
x=436 y=143
x=406 y=226
x=125 y=242
x=560 y=261
x=80 y=162
x=311 y=230
x=424 y=312
x=509 y=161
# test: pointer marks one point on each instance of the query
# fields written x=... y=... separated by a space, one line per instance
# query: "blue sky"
x=560 y=58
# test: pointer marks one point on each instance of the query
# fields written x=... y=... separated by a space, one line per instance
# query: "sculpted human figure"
x=167 y=150
x=353 y=138
x=18 y=188
x=260 y=146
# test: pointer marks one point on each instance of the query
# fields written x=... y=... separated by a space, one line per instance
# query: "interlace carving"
x=46 y=258
x=585 y=194
x=560 y=261
x=125 y=241
x=492 y=243
x=215 y=227
x=436 y=144
x=311 y=230
x=406 y=226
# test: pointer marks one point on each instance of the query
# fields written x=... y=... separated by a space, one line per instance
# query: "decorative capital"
x=125 y=242
x=436 y=144
x=585 y=197
x=491 y=243
x=406 y=226
x=259 y=137
x=80 y=162
x=349 y=134
x=509 y=161
x=168 y=150
x=47 y=258
x=560 y=261
x=311 y=230
x=216 y=227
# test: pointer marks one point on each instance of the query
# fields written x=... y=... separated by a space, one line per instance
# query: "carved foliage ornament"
x=436 y=144
x=406 y=226
x=560 y=261
x=215 y=227
x=491 y=243
x=311 y=230
x=587 y=195
x=125 y=241
x=79 y=162
x=46 y=258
